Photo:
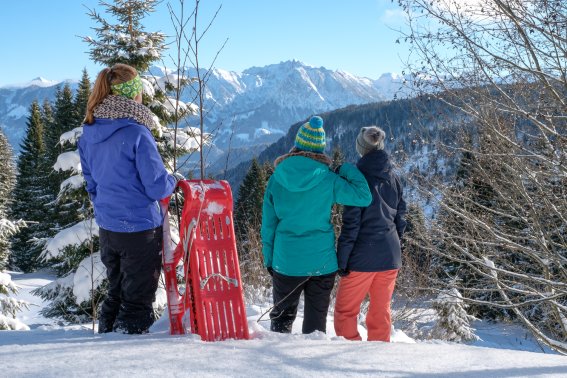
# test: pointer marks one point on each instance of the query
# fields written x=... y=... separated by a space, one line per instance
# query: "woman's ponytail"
x=101 y=89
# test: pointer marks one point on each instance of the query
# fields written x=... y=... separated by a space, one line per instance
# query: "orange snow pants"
x=351 y=292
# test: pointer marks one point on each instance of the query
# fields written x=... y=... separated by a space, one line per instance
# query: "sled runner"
x=212 y=305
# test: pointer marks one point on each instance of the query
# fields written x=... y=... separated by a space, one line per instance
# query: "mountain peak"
x=41 y=82
x=390 y=76
x=40 y=79
x=283 y=65
x=35 y=82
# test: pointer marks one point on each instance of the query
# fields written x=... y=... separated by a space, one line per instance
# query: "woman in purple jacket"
x=125 y=179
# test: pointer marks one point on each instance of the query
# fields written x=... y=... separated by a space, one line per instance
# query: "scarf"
x=121 y=107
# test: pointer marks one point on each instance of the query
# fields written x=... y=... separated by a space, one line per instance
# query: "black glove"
x=343 y=272
x=270 y=271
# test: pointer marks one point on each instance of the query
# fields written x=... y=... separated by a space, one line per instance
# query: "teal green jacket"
x=297 y=234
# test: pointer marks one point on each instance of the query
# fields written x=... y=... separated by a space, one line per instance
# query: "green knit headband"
x=130 y=88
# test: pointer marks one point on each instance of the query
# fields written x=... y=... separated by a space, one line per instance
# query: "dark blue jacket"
x=124 y=173
x=370 y=236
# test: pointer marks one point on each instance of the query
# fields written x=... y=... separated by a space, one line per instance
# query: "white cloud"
x=393 y=17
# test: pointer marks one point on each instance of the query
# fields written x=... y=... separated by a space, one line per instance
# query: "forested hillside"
x=417 y=132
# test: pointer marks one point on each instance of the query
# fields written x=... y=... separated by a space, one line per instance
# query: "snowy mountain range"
x=245 y=109
x=258 y=105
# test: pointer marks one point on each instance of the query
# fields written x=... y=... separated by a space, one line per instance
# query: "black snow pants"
x=133 y=265
x=287 y=292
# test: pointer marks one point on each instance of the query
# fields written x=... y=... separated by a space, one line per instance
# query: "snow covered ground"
x=50 y=349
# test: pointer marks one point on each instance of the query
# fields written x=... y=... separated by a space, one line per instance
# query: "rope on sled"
x=229 y=280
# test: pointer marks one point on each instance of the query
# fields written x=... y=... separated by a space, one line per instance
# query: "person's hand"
x=343 y=272
x=270 y=271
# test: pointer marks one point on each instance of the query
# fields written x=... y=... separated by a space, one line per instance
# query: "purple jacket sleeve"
x=91 y=185
x=157 y=182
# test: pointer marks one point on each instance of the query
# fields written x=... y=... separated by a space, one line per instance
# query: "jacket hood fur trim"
x=322 y=158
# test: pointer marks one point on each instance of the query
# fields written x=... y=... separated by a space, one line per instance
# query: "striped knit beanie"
x=311 y=136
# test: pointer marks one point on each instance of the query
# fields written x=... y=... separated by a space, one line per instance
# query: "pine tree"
x=453 y=323
x=9 y=306
x=82 y=98
x=47 y=115
x=248 y=207
x=65 y=119
x=7 y=183
x=126 y=41
x=30 y=195
x=71 y=208
x=248 y=222
x=50 y=221
x=47 y=119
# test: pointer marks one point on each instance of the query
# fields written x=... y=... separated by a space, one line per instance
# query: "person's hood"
x=299 y=172
x=375 y=164
x=102 y=129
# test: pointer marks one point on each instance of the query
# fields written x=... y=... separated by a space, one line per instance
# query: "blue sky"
x=41 y=37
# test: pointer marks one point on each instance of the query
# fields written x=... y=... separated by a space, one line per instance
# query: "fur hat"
x=370 y=138
x=311 y=136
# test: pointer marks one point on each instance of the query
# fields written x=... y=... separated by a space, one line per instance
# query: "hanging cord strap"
x=284 y=298
x=229 y=280
x=188 y=242
x=279 y=302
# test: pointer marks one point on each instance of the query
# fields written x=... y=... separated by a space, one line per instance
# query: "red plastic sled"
x=213 y=303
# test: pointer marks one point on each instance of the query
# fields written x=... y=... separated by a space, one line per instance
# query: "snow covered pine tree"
x=453 y=323
x=75 y=247
x=30 y=195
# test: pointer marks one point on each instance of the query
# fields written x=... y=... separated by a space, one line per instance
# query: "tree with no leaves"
x=503 y=64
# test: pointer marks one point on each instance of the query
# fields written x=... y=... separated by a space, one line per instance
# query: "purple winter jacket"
x=124 y=173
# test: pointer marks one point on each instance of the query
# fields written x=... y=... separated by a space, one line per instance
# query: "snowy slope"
x=76 y=352
x=50 y=350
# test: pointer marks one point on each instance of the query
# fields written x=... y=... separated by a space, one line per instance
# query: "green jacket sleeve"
x=351 y=187
x=269 y=225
